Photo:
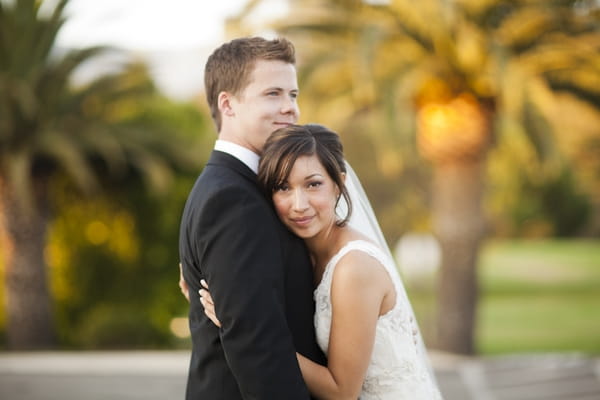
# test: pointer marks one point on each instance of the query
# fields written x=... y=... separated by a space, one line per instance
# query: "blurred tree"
x=523 y=203
x=49 y=128
x=113 y=258
x=457 y=73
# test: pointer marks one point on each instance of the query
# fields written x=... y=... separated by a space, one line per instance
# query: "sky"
x=149 y=25
x=174 y=36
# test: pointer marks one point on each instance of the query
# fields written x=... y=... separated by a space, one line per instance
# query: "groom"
x=258 y=272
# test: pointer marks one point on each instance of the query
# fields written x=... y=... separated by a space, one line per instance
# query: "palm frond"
x=69 y=157
x=79 y=131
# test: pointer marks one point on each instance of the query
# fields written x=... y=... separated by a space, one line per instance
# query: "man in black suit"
x=259 y=273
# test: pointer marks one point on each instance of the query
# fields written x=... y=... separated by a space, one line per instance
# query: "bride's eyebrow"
x=313 y=176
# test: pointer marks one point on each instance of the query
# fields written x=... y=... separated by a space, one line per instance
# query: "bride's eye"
x=314 y=184
x=281 y=188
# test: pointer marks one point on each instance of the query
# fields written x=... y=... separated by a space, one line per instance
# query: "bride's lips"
x=303 y=221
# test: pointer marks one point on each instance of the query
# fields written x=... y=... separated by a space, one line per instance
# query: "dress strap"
x=361 y=245
x=374 y=251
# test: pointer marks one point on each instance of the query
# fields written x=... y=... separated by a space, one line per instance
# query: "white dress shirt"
x=243 y=154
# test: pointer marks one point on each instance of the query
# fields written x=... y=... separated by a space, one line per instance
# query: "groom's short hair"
x=229 y=67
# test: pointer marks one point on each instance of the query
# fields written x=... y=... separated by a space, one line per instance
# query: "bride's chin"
x=302 y=234
x=298 y=233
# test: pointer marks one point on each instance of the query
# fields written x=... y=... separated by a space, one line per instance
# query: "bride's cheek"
x=280 y=208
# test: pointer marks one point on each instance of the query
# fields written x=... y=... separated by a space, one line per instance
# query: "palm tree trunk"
x=459 y=226
x=23 y=234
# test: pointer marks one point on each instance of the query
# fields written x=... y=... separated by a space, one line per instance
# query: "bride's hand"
x=208 y=304
x=185 y=290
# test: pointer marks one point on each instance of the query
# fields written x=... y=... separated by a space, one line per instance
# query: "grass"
x=536 y=296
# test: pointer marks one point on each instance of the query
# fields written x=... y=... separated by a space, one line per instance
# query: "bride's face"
x=306 y=201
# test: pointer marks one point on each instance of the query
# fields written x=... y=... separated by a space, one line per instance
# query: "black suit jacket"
x=261 y=280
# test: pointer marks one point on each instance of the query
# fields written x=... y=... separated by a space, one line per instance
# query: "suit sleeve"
x=244 y=269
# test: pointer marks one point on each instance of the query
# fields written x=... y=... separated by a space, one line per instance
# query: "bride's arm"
x=357 y=293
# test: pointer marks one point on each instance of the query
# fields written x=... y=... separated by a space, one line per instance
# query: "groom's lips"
x=282 y=124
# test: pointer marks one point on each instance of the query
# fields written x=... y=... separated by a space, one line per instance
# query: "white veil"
x=363 y=219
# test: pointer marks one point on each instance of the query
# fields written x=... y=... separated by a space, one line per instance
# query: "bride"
x=363 y=319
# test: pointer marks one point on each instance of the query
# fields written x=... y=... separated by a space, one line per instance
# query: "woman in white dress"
x=363 y=319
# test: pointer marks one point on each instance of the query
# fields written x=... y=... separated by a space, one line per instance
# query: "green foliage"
x=112 y=139
x=119 y=327
x=527 y=200
x=535 y=296
x=113 y=262
x=562 y=204
x=113 y=258
x=540 y=296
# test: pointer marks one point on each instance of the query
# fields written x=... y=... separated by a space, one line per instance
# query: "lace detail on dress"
x=396 y=371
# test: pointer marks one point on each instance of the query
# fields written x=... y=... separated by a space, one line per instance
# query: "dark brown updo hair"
x=287 y=144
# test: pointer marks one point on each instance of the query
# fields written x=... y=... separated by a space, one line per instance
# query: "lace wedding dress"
x=397 y=370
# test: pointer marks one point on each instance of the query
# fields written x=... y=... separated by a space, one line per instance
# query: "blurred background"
x=473 y=125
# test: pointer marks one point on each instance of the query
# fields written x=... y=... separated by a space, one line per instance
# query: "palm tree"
x=50 y=128
x=458 y=73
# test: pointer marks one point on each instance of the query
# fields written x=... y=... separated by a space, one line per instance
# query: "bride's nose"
x=300 y=201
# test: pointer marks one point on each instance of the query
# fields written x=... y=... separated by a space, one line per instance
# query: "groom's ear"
x=224 y=102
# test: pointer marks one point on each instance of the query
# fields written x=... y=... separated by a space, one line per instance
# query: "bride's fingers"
x=208 y=304
x=209 y=310
x=205 y=295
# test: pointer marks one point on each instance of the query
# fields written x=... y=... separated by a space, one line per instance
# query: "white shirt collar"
x=243 y=154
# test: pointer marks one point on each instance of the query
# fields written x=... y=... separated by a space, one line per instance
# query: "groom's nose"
x=290 y=106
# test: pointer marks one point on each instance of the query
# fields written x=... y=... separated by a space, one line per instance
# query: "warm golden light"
x=454 y=129
x=179 y=327
x=97 y=232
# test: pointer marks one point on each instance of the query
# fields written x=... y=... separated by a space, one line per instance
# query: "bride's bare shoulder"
x=357 y=267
